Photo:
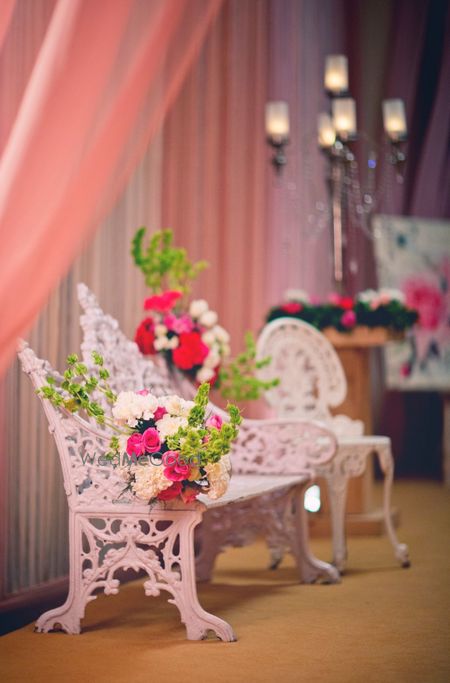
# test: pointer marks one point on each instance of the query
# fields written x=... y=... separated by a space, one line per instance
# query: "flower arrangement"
x=187 y=333
x=191 y=341
x=383 y=308
x=171 y=448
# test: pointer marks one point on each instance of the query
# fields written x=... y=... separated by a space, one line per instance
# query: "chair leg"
x=386 y=461
x=68 y=615
x=337 y=490
x=198 y=622
x=310 y=568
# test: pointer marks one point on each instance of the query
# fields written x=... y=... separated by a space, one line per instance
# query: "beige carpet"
x=382 y=624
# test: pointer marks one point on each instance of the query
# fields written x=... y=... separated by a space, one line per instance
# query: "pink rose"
x=159 y=413
x=177 y=472
x=214 y=421
x=348 y=319
x=172 y=492
x=179 y=325
x=151 y=440
x=334 y=298
x=135 y=445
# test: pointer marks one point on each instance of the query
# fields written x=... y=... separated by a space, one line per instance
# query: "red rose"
x=292 y=307
x=172 y=492
x=346 y=303
x=190 y=351
x=145 y=336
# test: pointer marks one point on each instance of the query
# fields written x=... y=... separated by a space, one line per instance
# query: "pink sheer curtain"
x=6 y=11
x=93 y=102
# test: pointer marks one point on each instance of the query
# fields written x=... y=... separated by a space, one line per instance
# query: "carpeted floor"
x=381 y=624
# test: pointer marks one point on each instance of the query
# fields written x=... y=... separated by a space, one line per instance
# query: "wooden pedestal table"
x=354 y=348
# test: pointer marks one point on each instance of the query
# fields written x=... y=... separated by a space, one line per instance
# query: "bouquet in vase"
x=188 y=334
x=191 y=340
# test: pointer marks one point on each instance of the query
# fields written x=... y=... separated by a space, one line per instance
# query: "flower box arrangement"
x=187 y=333
x=372 y=309
x=163 y=447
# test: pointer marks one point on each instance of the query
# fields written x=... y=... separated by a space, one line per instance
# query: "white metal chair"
x=110 y=530
x=275 y=447
x=311 y=381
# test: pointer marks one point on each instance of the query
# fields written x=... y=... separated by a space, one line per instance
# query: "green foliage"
x=238 y=378
x=190 y=441
x=74 y=391
x=163 y=265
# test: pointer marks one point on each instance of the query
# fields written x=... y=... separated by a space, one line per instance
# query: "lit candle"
x=325 y=130
x=344 y=117
x=394 y=119
x=277 y=121
x=336 y=73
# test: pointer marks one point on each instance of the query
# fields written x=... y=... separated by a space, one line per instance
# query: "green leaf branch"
x=163 y=265
x=73 y=391
x=238 y=379
x=190 y=441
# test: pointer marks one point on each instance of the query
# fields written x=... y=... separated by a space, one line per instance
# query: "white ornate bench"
x=272 y=448
x=311 y=381
x=110 y=530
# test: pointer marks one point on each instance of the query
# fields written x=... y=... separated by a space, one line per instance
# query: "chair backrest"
x=311 y=375
x=89 y=481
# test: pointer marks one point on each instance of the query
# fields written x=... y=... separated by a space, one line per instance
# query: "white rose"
x=208 y=318
x=160 y=330
x=173 y=343
x=221 y=334
x=211 y=360
x=168 y=425
x=393 y=295
x=160 y=343
x=204 y=375
x=198 y=307
x=296 y=295
x=208 y=337
x=367 y=296
x=177 y=406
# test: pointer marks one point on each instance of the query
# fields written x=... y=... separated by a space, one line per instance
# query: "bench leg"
x=210 y=547
x=310 y=568
x=68 y=615
x=198 y=622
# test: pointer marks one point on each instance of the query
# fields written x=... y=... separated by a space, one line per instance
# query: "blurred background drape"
x=206 y=175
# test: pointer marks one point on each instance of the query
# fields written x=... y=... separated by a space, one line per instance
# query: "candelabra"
x=352 y=199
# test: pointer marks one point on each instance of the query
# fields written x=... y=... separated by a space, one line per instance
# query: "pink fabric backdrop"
x=90 y=108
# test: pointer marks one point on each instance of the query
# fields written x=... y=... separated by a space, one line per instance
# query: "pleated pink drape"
x=88 y=113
